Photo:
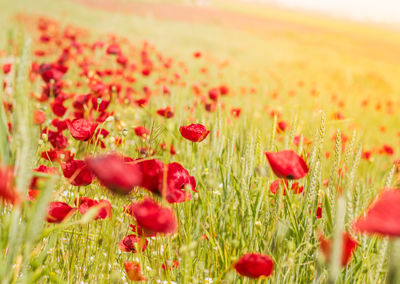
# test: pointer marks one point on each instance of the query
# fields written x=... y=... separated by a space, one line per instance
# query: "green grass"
x=233 y=207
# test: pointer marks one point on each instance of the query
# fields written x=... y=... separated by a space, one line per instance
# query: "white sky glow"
x=384 y=11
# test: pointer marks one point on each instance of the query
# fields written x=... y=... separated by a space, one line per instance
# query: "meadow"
x=164 y=142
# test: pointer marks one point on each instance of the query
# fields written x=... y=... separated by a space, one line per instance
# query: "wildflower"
x=235 y=112
x=178 y=178
x=57 y=211
x=170 y=265
x=41 y=169
x=213 y=94
x=77 y=172
x=348 y=246
x=133 y=271
x=8 y=193
x=58 y=107
x=52 y=71
x=7 y=68
x=287 y=164
x=254 y=265
x=81 y=129
x=39 y=117
x=85 y=203
x=114 y=173
x=194 y=132
x=166 y=112
x=275 y=185
x=383 y=216
x=141 y=131
x=282 y=126
x=132 y=242
x=153 y=218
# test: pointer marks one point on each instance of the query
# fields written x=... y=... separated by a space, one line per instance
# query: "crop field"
x=177 y=142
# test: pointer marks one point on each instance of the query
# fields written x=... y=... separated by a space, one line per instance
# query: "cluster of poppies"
x=75 y=140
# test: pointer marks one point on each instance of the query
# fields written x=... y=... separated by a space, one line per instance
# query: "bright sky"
x=365 y=10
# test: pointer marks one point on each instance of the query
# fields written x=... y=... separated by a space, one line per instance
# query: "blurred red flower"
x=58 y=107
x=41 y=169
x=287 y=164
x=57 y=211
x=133 y=271
x=348 y=246
x=141 y=131
x=52 y=71
x=115 y=173
x=194 y=132
x=8 y=193
x=85 y=203
x=133 y=242
x=39 y=117
x=77 y=172
x=178 y=178
x=81 y=129
x=166 y=112
x=255 y=265
x=7 y=68
x=153 y=218
x=382 y=216
x=152 y=172
x=170 y=265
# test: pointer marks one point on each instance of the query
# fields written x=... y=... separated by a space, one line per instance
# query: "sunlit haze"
x=385 y=11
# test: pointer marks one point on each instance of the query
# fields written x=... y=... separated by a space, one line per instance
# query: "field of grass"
x=324 y=88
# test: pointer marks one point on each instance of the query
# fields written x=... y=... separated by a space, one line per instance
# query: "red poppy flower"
x=81 y=129
x=113 y=49
x=56 y=155
x=224 y=90
x=52 y=72
x=178 y=179
x=211 y=107
x=57 y=211
x=136 y=229
x=287 y=164
x=141 y=131
x=56 y=138
x=41 y=169
x=197 y=54
x=235 y=112
x=114 y=173
x=153 y=218
x=100 y=107
x=58 y=108
x=33 y=194
x=8 y=193
x=133 y=271
x=39 y=117
x=152 y=172
x=194 y=132
x=213 y=94
x=85 y=203
x=7 y=68
x=275 y=185
x=387 y=149
x=170 y=265
x=319 y=212
x=77 y=172
x=348 y=247
x=255 y=265
x=383 y=215
x=366 y=155
x=132 y=242
x=282 y=126
x=165 y=112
